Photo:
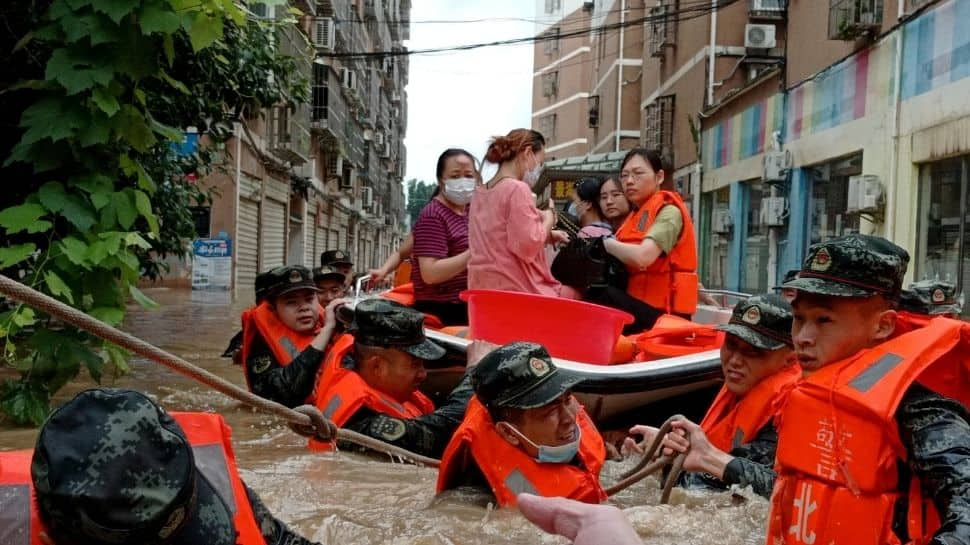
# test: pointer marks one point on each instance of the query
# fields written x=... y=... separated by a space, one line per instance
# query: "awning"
x=570 y=169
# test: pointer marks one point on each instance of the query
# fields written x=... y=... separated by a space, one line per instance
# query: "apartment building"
x=327 y=174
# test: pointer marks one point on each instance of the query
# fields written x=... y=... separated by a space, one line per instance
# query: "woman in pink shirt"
x=507 y=234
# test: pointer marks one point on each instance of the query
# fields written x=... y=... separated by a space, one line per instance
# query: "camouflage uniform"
x=771 y=330
x=384 y=323
x=932 y=297
x=110 y=466
x=935 y=430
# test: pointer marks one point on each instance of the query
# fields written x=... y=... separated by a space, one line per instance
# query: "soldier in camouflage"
x=931 y=297
x=110 y=466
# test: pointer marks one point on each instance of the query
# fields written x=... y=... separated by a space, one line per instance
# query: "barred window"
x=658 y=127
x=550 y=84
x=547 y=126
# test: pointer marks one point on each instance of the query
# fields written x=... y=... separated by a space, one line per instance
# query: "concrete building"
x=326 y=174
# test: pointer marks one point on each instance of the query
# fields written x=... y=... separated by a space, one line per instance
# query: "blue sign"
x=212 y=247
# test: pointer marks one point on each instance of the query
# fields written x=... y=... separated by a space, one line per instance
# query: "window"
x=754 y=277
x=850 y=19
x=547 y=126
x=944 y=235
x=662 y=30
x=200 y=217
x=550 y=44
x=550 y=84
x=658 y=127
x=553 y=6
x=830 y=195
x=320 y=93
x=715 y=276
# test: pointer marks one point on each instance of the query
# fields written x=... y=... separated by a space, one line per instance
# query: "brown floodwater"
x=343 y=498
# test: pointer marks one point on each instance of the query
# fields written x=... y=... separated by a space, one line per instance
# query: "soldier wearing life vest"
x=371 y=376
x=342 y=261
x=111 y=467
x=234 y=350
x=735 y=442
x=874 y=442
x=924 y=300
x=524 y=432
x=284 y=338
x=331 y=284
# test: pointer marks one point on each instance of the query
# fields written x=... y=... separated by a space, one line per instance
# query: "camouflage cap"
x=325 y=272
x=263 y=281
x=931 y=297
x=283 y=280
x=336 y=257
x=111 y=467
x=853 y=266
x=389 y=324
x=519 y=375
x=763 y=321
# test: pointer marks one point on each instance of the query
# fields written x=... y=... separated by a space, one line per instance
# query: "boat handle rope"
x=305 y=420
x=652 y=462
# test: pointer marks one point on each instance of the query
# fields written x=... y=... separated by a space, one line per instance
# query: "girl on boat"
x=586 y=195
x=612 y=204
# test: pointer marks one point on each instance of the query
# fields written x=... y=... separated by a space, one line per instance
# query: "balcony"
x=853 y=19
x=328 y=115
x=767 y=9
x=289 y=136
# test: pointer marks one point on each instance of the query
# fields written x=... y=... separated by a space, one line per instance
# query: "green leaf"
x=22 y=42
x=126 y=211
x=176 y=84
x=135 y=239
x=24 y=317
x=93 y=26
x=132 y=127
x=73 y=207
x=115 y=9
x=24 y=402
x=134 y=168
x=11 y=255
x=75 y=250
x=105 y=101
x=108 y=315
x=169 y=133
x=168 y=44
x=93 y=134
x=144 y=206
x=141 y=298
x=49 y=118
x=75 y=72
x=53 y=196
x=157 y=19
x=57 y=286
x=205 y=30
x=118 y=357
x=24 y=217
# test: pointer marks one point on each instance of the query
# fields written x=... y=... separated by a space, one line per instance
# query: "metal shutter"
x=272 y=239
x=319 y=244
x=247 y=246
x=309 y=233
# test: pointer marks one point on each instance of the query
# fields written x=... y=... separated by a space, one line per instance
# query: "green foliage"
x=418 y=194
x=95 y=195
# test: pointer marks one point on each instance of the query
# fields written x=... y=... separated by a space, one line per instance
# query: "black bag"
x=579 y=268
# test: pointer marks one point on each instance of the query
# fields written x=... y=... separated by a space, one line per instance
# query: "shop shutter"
x=310 y=231
x=319 y=244
x=272 y=239
x=247 y=246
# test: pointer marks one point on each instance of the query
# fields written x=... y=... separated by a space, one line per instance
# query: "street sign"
x=211 y=264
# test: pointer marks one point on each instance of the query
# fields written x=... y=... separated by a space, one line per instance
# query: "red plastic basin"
x=569 y=329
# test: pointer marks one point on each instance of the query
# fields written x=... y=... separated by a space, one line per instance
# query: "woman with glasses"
x=656 y=243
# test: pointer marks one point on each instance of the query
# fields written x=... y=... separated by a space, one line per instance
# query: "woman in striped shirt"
x=440 y=254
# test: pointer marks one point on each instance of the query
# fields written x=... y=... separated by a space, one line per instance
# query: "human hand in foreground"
x=558 y=237
x=376 y=275
x=632 y=446
x=476 y=351
x=330 y=314
x=583 y=523
x=688 y=437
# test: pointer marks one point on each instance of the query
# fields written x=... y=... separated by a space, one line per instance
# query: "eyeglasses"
x=636 y=174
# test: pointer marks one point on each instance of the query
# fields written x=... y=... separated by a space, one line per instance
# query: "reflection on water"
x=341 y=498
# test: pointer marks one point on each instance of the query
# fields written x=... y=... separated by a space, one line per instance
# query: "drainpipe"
x=237 y=131
x=619 y=79
x=772 y=248
x=890 y=216
x=710 y=54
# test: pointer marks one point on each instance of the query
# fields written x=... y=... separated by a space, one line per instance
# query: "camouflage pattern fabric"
x=283 y=280
x=519 y=375
x=763 y=321
x=389 y=324
x=336 y=257
x=853 y=266
x=326 y=271
x=288 y=385
x=931 y=297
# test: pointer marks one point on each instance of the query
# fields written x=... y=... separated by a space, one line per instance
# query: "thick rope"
x=300 y=420
x=651 y=463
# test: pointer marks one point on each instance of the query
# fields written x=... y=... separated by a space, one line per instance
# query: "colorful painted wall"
x=936 y=49
x=744 y=135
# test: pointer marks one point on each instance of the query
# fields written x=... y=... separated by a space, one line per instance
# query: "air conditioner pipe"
x=619 y=79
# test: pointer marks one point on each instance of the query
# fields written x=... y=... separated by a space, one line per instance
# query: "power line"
x=694 y=11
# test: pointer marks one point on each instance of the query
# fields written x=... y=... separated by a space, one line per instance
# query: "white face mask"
x=531 y=177
x=460 y=190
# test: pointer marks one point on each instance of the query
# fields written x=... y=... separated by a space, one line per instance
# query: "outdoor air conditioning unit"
x=776 y=167
x=865 y=194
x=379 y=138
x=773 y=212
x=323 y=34
x=721 y=221
x=367 y=197
x=349 y=78
x=387 y=149
x=395 y=96
x=759 y=36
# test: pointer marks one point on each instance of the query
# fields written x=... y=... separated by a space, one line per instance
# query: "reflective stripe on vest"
x=510 y=471
x=211 y=447
x=839 y=446
x=283 y=342
x=341 y=392
x=732 y=422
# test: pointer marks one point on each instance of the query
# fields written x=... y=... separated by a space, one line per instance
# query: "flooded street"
x=345 y=498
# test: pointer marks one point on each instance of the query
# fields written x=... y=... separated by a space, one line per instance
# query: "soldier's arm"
x=428 y=434
x=760 y=452
x=936 y=433
x=288 y=385
x=761 y=449
x=744 y=472
x=274 y=531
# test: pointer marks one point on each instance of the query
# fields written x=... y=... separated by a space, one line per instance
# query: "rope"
x=650 y=464
x=305 y=420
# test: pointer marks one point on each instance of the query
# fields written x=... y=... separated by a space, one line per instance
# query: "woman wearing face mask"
x=656 y=243
x=507 y=234
x=440 y=251
x=585 y=207
x=613 y=205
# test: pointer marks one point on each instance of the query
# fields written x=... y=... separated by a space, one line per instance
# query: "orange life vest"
x=839 y=445
x=341 y=392
x=283 y=342
x=673 y=336
x=208 y=434
x=733 y=421
x=510 y=471
x=669 y=283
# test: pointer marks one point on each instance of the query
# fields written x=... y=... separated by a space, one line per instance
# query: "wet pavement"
x=341 y=498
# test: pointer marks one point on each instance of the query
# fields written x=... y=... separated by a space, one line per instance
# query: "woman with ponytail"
x=507 y=234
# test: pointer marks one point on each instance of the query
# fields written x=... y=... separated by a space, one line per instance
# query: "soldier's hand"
x=688 y=437
x=330 y=313
x=477 y=350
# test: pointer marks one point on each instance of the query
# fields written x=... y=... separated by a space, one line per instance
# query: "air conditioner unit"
x=349 y=78
x=773 y=211
x=865 y=194
x=395 y=96
x=379 y=138
x=368 y=135
x=323 y=34
x=721 y=221
x=367 y=197
x=759 y=36
x=776 y=167
x=387 y=149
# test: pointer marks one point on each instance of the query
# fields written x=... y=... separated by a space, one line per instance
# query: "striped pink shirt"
x=439 y=233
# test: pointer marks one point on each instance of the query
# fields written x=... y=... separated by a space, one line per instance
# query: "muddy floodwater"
x=342 y=498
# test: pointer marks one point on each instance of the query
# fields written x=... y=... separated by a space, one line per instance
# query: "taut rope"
x=651 y=462
x=305 y=420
